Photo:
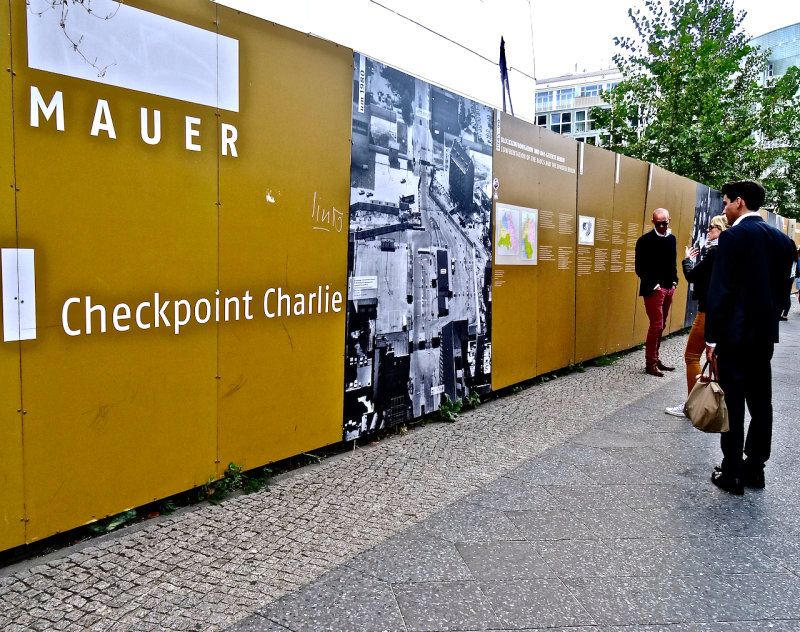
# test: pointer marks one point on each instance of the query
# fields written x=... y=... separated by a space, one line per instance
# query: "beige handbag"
x=705 y=405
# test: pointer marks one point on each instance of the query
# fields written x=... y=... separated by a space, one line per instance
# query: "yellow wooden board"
x=682 y=228
x=12 y=515
x=593 y=256
x=515 y=295
x=630 y=192
x=283 y=232
x=557 y=181
x=115 y=419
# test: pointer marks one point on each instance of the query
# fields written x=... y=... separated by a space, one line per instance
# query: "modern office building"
x=564 y=104
x=784 y=44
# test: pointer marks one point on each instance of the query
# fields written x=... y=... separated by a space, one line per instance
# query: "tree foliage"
x=694 y=100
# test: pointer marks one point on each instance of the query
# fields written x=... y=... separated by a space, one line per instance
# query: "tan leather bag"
x=705 y=405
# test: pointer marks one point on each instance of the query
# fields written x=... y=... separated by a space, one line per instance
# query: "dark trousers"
x=745 y=374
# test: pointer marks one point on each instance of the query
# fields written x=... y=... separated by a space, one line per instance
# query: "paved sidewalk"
x=575 y=502
x=618 y=528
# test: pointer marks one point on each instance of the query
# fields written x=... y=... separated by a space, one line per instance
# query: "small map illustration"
x=528 y=250
x=507 y=232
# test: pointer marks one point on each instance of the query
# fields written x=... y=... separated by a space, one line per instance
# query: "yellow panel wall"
x=12 y=525
x=683 y=235
x=515 y=295
x=283 y=225
x=556 y=313
x=117 y=419
x=630 y=192
x=592 y=270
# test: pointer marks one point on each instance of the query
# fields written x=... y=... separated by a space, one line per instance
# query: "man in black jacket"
x=748 y=284
x=656 y=267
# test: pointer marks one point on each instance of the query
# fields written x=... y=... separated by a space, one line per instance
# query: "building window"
x=590 y=91
x=544 y=101
x=584 y=121
x=541 y=120
x=770 y=71
x=610 y=86
x=561 y=122
x=565 y=98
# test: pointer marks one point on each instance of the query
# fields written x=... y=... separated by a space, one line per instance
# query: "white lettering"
x=146 y=137
x=65 y=318
x=268 y=313
x=231 y=300
x=159 y=312
x=229 y=136
x=90 y=310
x=247 y=298
x=180 y=322
x=102 y=120
x=56 y=105
x=336 y=302
x=139 y=322
x=121 y=312
x=207 y=305
x=191 y=133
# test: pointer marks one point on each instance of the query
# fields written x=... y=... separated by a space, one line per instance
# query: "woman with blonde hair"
x=697 y=270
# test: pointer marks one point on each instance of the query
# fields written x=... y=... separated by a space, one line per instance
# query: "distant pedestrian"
x=795 y=280
x=656 y=267
x=697 y=269
x=748 y=286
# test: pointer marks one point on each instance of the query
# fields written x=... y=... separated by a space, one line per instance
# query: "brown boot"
x=652 y=369
x=664 y=367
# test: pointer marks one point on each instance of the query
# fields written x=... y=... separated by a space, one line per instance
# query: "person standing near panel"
x=748 y=286
x=697 y=268
x=657 y=269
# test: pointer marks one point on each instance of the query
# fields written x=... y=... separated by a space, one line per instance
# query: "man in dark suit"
x=745 y=297
x=657 y=267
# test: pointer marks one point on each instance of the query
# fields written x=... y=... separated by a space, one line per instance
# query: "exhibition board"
x=684 y=234
x=515 y=276
x=596 y=168
x=12 y=512
x=283 y=233
x=630 y=194
x=116 y=415
x=557 y=182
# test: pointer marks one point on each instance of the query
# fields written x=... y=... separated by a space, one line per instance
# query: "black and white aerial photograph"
x=419 y=255
x=708 y=204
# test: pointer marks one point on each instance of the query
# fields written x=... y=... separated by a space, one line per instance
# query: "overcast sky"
x=570 y=33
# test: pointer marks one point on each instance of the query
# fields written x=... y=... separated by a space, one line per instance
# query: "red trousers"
x=657 y=307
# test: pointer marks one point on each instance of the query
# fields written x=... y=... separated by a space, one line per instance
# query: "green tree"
x=693 y=100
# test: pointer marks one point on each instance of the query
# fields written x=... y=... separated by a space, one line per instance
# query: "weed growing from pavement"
x=449 y=409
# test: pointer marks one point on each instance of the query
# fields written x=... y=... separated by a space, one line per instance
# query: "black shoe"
x=726 y=482
x=753 y=476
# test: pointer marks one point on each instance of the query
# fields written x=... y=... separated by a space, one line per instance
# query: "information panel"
x=122 y=256
x=283 y=244
x=630 y=192
x=593 y=261
x=12 y=524
x=556 y=175
x=515 y=277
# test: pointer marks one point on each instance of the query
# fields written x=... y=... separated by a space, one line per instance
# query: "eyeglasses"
x=661 y=223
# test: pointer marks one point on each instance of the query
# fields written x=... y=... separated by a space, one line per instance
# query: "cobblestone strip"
x=206 y=567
